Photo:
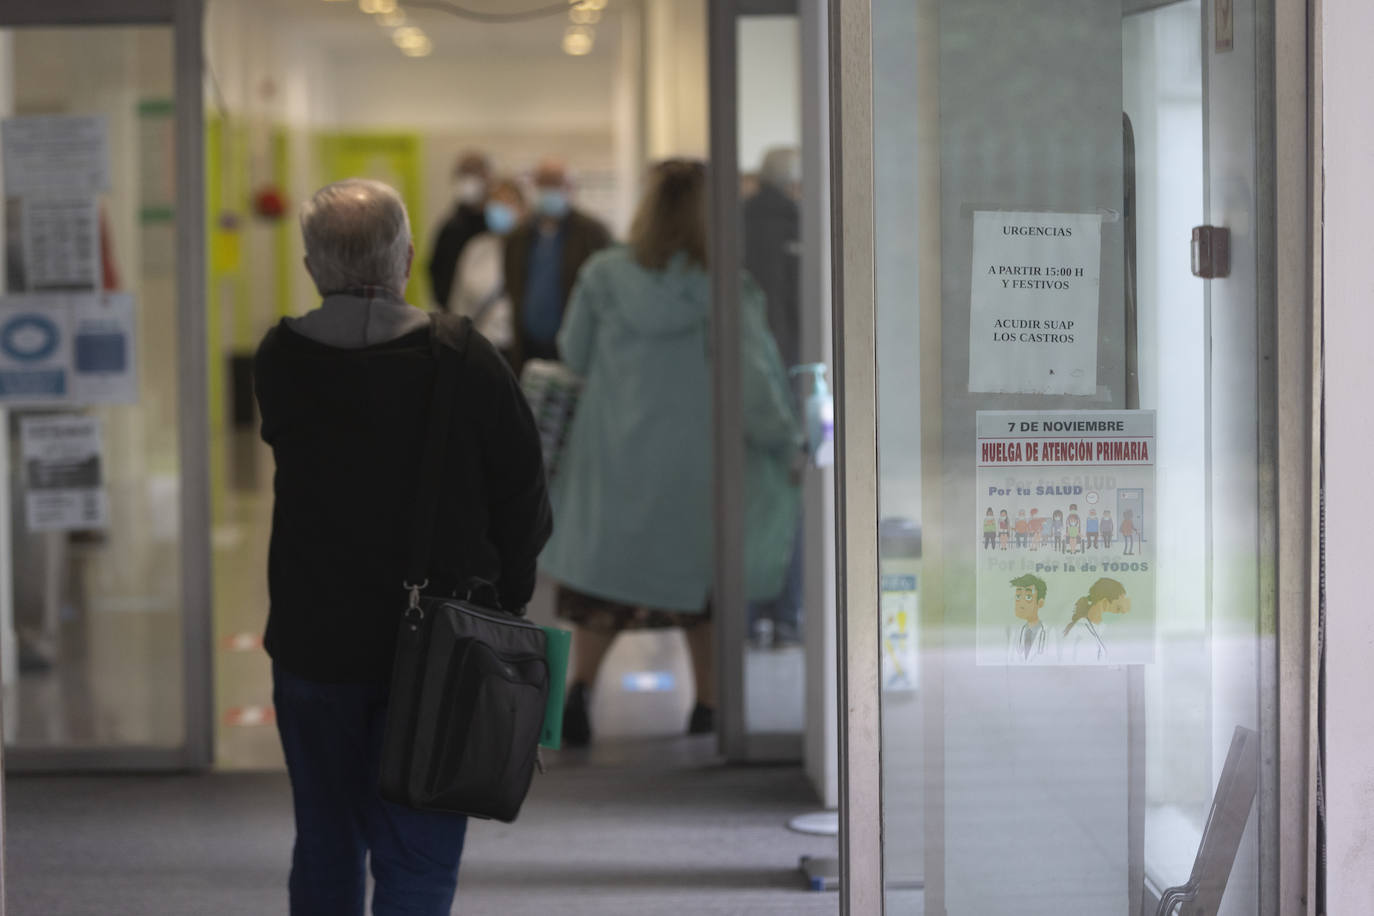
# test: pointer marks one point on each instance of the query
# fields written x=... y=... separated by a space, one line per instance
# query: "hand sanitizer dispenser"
x=820 y=415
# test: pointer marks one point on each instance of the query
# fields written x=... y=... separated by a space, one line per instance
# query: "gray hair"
x=357 y=233
x=781 y=167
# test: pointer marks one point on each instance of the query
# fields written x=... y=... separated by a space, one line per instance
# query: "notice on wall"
x=1033 y=322
x=64 y=473
x=55 y=155
x=899 y=610
x=68 y=349
x=1066 y=556
x=61 y=243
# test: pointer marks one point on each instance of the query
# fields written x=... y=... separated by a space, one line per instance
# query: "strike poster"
x=63 y=473
x=1033 y=303
x=1065 y=537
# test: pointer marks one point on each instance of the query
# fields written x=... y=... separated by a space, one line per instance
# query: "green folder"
x=557 y=644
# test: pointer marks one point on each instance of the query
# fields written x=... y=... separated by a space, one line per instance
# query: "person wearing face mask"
x=464 y=223
x=543 y=257
x=479 y=284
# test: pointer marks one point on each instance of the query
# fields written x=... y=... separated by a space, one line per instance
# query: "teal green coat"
x=633 y=497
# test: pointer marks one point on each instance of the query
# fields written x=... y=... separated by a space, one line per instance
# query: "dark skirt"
x=601 y=615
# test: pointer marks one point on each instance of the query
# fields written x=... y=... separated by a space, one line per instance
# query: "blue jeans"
x=332 y=737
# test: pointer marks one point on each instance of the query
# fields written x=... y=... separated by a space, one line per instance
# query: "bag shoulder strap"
x=449 y=360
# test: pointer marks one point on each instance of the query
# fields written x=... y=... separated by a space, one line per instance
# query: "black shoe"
x=703 y=721
x=577 y=727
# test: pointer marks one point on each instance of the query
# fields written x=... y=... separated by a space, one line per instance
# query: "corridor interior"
x=299 y=93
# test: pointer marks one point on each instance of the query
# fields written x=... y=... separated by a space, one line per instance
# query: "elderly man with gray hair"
x=344 y=392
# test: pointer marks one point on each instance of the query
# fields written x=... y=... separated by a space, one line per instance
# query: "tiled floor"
x=633 y=827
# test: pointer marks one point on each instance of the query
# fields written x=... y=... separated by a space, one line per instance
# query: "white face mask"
x=472 y=189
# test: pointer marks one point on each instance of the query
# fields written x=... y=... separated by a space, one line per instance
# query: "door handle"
x=1211 y=252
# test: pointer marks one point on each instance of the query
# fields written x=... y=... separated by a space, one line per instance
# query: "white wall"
x=1348 y=303
x=769 y=86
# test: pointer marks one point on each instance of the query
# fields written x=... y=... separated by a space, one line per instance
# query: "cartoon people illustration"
x=1037 y=528
x=1027 y=644
x=1128 y=532
x=1057 y=530
x=1083 y=636
x=1107 y=529
x=1073 y=529
x=1093 y=526
x=1003 y=529
x=989 y=530
x=1022 y=530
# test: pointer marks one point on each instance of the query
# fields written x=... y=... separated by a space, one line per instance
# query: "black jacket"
x=462 y=226
x=583 y=237
x=772 y=236
x=347 y=428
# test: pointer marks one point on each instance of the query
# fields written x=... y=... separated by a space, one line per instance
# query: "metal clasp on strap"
x=415 y=615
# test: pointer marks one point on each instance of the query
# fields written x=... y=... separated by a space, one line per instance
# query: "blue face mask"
x=553 y=203
x=500 y=218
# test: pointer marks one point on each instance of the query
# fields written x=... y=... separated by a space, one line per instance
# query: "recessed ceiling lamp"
x=577 y=40
x=371 y=7
x=597 y=5
x=412 y=41
x=385 y=6
x=584 y=15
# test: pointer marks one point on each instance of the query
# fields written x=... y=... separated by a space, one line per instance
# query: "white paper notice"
x=900 y=605
x=1065 y=537
x=61 y=238
x=68 y=349
x=64 y=473
x=104 y=348
x=1033 y=323
x=55 y=155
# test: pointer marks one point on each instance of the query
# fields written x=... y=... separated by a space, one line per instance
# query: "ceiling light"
x=370 y=6
x=384 y=6
x=584 y=15
x=577 y=41
x=391 y=20
x=597 y=5
x=418 y=50
x=409 y=36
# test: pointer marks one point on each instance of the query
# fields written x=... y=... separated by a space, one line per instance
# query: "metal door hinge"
x=1211 y=252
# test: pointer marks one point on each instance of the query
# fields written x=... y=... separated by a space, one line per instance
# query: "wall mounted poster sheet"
x=1065 y=537
x=63 y=473
x=68 y=348
x=1033 y=321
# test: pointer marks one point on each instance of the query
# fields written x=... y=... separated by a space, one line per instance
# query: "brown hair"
x=672 y=215
x=1102 y=590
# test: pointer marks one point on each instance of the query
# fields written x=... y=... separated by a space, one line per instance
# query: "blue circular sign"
x=29 y=338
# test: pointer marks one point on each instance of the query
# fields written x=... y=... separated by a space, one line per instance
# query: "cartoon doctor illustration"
x=1026 y=645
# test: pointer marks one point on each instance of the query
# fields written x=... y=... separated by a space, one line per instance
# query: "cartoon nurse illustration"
x=1004 y=529
x=1057 y=530
x=989 y=530
x=1083 y=640
x=1073 y=529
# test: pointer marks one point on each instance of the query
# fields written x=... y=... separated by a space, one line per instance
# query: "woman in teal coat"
x=632 y=500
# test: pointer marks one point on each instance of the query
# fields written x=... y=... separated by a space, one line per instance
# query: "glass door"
x=103 y=571
x=1070 y=277
x=773 y=413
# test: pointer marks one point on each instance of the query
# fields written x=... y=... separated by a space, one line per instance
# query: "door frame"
x=186 y=17
x=1288 y=107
